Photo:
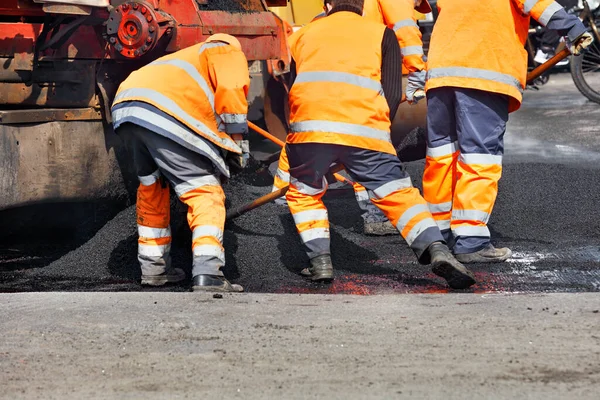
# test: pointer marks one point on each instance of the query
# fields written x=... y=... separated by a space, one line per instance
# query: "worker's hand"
x=580 y=44
x=415 y=89
x=237 y=162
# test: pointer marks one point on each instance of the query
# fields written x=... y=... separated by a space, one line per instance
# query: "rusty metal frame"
x=49 y=114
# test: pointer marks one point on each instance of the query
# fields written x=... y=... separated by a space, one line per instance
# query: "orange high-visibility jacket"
x=399 y=16
x=204 y=87
x=480 y=45
x=337 y=95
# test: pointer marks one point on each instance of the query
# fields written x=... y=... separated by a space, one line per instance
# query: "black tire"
x=585 y=70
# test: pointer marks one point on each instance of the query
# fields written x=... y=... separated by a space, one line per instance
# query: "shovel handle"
x=279 y=142
x=558 y=57
x=236 y=212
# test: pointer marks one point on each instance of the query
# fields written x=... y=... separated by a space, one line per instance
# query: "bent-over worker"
x=342 y=66
x=477 y=69
x=181 y=114
x=398 y=15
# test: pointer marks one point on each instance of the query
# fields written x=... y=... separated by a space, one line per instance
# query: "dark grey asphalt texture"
x=547 y=212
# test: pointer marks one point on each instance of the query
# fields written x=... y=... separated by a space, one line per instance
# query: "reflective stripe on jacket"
x=203 y=86
x=480 y=45
x=399 y=16
x=337 y=96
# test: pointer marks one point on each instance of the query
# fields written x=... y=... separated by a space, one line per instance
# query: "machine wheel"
x=585 y=70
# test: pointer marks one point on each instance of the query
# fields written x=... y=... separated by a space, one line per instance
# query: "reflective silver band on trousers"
x=470 y=215
x=478 y=231
x=444 y=150
x=153 y=233
x=149 y=179
x=440 y=207
x=150 y=250
x=188 y=186
x=309 y=216
x=482 y=159
x=208 y=230
x=387 y=189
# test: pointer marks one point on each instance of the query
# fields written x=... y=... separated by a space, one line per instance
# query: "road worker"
x=398 y=15
x=181 y=115
x=341 y=66
x=477 y=69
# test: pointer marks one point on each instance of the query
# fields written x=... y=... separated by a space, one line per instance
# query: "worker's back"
x=487 y=37
x=203 y=87
x=338 y=61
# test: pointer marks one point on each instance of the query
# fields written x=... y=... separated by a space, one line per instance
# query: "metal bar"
x=49 y=114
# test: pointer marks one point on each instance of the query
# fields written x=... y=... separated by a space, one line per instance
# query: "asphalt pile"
x=553 y=229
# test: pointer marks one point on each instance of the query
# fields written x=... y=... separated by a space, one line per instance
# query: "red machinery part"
x=134 y=28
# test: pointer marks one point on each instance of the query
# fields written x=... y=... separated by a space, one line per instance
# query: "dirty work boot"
x=172 y=276
x=383 y=228
x=444 y=264
x=375 y=223
x=489 y=254
x=320 y=269
x=213 y=283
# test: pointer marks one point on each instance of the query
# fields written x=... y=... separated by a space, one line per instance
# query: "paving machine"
x=61 y=62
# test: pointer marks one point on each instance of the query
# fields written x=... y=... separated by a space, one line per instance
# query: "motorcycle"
x=585 y=69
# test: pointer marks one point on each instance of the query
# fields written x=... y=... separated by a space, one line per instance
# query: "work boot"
x=383 y=228
x=446 y=266
x=172 y=276
x=375 y=223
x=214 y=283
x=320 y=269
x=489 y=254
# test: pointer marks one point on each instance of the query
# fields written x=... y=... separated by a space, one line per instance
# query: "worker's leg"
x=391 y=190
x=153 y=211
x=442 y=154
x=362 y=197
x=309 y=162
x=282 y=175
x=481 y=122
x=374 y=221
x=196 y=183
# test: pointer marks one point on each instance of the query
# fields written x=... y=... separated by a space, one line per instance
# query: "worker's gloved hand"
x=415 y=89
x=580 y=44
x=237 y=162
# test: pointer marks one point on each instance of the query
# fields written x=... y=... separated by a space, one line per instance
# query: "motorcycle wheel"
x=585 y=70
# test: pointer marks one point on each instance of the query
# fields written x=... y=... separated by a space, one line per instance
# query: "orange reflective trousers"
x=160 y=162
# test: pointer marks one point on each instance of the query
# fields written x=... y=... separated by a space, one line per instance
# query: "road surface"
x=528 y=329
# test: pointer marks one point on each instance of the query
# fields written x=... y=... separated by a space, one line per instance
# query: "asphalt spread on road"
x=546 y=213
